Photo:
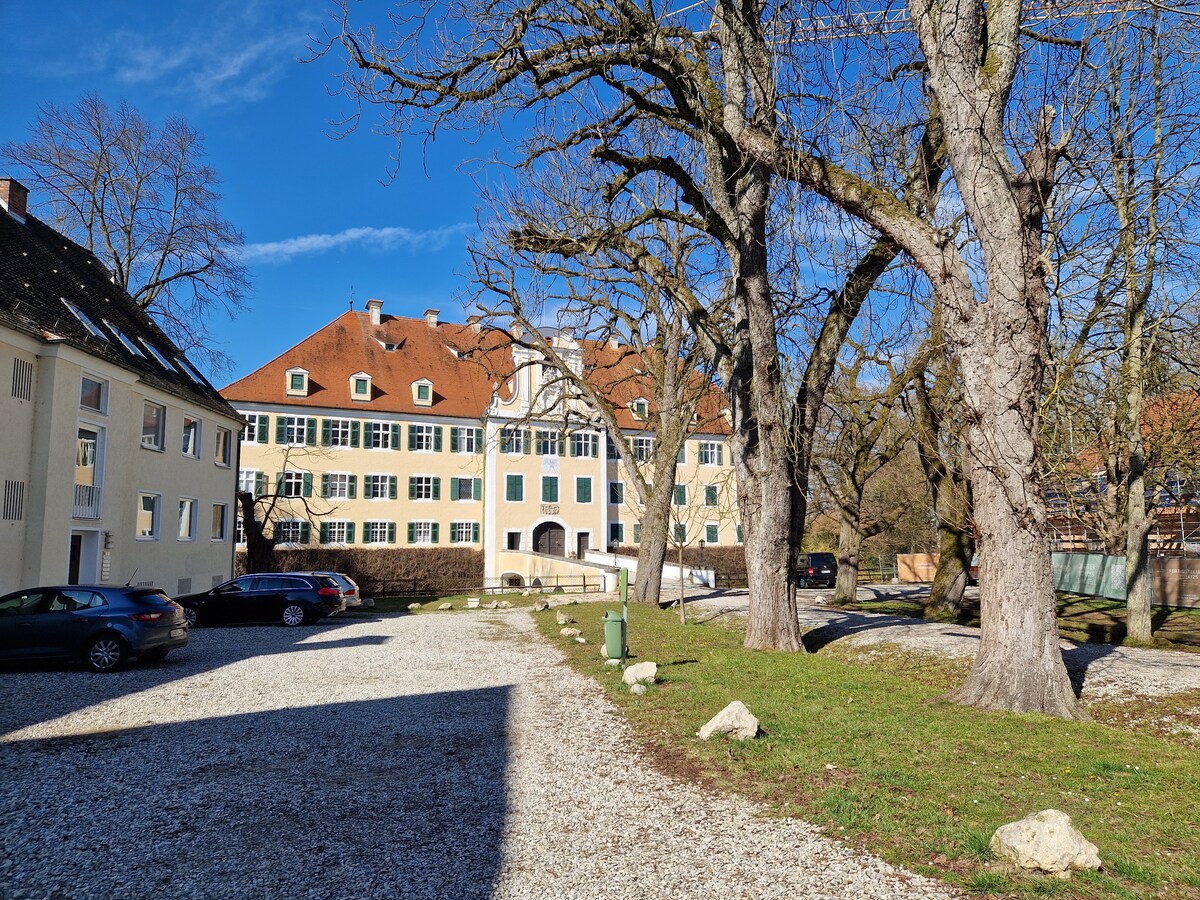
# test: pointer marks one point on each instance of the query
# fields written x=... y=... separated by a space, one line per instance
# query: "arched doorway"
x=550 y=538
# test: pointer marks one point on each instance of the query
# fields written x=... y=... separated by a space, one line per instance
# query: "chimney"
x=476 y=323
x=14 y=197
x=431 y=318
x=567 y=334
x=614 y=342
x=373 y=307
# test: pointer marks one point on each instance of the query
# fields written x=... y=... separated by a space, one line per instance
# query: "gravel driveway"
x=441 y=756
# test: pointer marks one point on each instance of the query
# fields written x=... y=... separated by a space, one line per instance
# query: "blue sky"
x=321 y=223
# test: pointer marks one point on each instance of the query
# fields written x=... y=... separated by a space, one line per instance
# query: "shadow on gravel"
x=37 y=692
x=846 y=624
x=1079 y=658
x=397 y=797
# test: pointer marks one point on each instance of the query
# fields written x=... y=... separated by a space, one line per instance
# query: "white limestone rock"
x=734 y=720
x=413 y=607
x=504 y=604
x=570 y=632
x=445 y=606
x=638 y=689
x=563 y=619
x=612 y=662
x=1045 y=841
x=540 y=605
x=581 y=640
x=643 y=671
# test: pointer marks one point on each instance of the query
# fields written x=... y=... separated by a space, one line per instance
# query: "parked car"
x=292 y=598
x=102 y=625
x=349 y=586
x=819 y=571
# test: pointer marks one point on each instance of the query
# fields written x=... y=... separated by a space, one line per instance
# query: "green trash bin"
x=614 y=634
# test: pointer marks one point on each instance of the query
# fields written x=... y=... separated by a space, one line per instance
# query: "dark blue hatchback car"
x=101 y=625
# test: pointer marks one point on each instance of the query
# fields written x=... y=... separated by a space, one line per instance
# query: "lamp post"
x=702 y=568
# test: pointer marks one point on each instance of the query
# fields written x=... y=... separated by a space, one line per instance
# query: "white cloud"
x=374 y=238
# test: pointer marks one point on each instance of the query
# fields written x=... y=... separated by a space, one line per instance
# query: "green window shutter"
x=395 y=442
x=681 y=495
x=437 y=489
x=476 y=488
x=280 y=429
x=412 y=438
x=475 y=532
x=307 y=489
x=391 y=532
x=326 y=427
x=572 y=448
x=525 y=445
x=454 y=435
x=353 y=489
x=310 y=432
x=412 y=532
x=279 y=482
x=349 y=532
x=710 y=495
x=433 y=532
x=720 y=454
x=260 y=483
x=681 y=534
x=710 y=534
x=549 y=489
x=355 y=431
x=437 y=438
x=412 y=488
x=262 y=428
x=739 y=534
x=453 y=488
x=637 y=532
x=512 y=488
x=583 y=490
x=478 y=440
x=305 y=532
x=681 y=456
x=392 y=486
x=324 y=532
x=324 y=487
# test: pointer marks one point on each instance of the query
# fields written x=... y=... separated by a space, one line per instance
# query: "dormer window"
x=297 y=382
x=360 y=386
x=423 y=392
x=640 y=408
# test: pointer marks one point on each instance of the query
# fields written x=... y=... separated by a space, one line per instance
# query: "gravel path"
x=437 y=756
x=1098 y=670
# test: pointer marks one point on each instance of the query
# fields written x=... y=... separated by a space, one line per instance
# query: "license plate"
x=178 y=632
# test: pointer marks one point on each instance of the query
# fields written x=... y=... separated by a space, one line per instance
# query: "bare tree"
x=142 y=198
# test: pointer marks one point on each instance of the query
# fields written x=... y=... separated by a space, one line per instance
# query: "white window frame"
x=510 y=437
x=459 y=529
x=357 y=394
x=587 y=441
x=155 y=516
x=223 y=536
x=370 y=480
x=282 y=524
x=377 y=430
x=369 y=528
x=643 y=448
x=546 y=442
x=508 y=536
x=194 y=424
x=466 y=439
x=422 y=488
x=709 y=451
x=248 y=480
x=102 y=409
x=470 y=483
x=295 y=425
x=342 y=524
x=423 y=435
x=344 y=489
x=422 y=532
x=301 y=391
x=192 y=503
x=292 y=478
x=223 y=446
x=339 y=432
x=160 y=436
x=250 y=429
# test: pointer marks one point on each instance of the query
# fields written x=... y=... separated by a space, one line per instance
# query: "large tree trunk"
x=955 y=549
x=652 y=552
x=260 y=549
x=1139 y=621
x=849 y=545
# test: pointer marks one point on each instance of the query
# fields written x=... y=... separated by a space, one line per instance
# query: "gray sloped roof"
x=40 y=269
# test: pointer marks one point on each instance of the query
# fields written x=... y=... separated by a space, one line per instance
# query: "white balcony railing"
x=87 y=501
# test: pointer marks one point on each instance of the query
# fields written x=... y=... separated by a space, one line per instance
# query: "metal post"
x=623 y=586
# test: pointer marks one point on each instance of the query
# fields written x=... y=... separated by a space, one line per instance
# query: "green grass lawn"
x=1085 y=619
x=859 y=742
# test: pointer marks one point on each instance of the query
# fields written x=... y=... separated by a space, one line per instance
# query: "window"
x=339 y=433
x=586 y=444
x=740 y=537
x=147 y=516
x=223 y=451
x=583 y=490
x=291 y=531
x=93 y=394
x=466 y=440
x=187 y=519
x=424 y=392
x=711 y=453
x=549 y=443
x=711 y=534
x=91 y=326
x=294 y=484
x=681 y=456
x=379 y=436
x=549 y=488
x=154 y=418
x=512 y=540
x=191 y=437
x=360 y=386
x=124 y=339
x=337 y=532
x=466 y=489
x=295 y=431
x=255 y=431
x=616 y=492
x=680 y=533
x=297 y=382
x=637 y=532
x=422 y=532
x=640 y=408
x=616 y=533
x=680 y=495
x=425 y=437
x=379 y=487
x=424 y=487
x=220 y=521
x=157 y=354
x=643 y=448
x=251 y=481
x=464 y=532
x=514 y=440
x=379 y=532
x=338 y=485
x=514 y=488
x=239 y=531
x=711 y=494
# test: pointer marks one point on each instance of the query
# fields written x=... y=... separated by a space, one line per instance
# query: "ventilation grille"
x=185 y=586
x=22 y=382
x=217 y=579
x=14 y=500
x=145 y=584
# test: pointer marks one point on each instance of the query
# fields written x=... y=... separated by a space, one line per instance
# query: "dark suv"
x=292 y=598
x=819 y=571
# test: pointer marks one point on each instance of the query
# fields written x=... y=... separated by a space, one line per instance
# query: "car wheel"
x=293 y=614
x=156 y=655
x=803 y=583
x=106 y=653
x=190 y=616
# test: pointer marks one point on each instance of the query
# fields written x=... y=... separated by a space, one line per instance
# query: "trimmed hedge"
x=728 y=562
x=394 y=571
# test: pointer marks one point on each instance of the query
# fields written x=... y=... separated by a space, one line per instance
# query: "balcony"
x=87 y=501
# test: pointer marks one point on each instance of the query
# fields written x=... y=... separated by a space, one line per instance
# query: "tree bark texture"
x=849 y=546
